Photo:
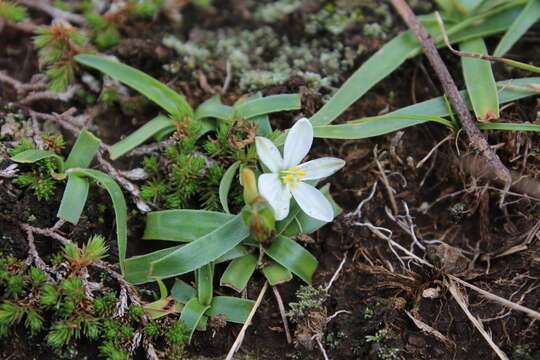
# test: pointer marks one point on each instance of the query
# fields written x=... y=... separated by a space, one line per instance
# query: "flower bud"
x=259 y=218
x=248 y=180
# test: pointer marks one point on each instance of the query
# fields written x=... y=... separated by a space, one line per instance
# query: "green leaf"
x=201 y=251
x=205 y=283
x=74 y=199
x=509 y=126
x=32 y=156
x=182 y=225
x=192 y=314
x=269 y=104
x=276 y=274
x=263 y=121
x=528 y=17
x=137 y=268
x=234 y=309
x=401 y=48
x=420 y=113
x=153 y=89
x=182 y=291
x=213 y=108
x=83 y=151
x=145 y=132
x=480 y=81
x=304 y=224
x=232 y=254
x=225 y=185
x=119 y=205
x=294 y=257
x=239 y=272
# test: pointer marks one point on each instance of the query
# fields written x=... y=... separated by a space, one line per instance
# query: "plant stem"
x=477 y=140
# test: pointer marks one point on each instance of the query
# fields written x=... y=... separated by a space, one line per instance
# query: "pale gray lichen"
x=269 y=56
x=276 y=10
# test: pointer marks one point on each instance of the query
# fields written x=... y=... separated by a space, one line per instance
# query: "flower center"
x=292 y=176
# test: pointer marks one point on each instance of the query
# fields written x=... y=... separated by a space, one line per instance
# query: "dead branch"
x=283 y=314
x=55 y=13
x=477 y=140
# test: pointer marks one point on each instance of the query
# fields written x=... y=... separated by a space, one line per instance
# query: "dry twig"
x=241 y=334
x=283 y=314
x=477 y=140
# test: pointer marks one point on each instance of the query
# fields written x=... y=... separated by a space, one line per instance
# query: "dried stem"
x=283 y=315
x=55 y=13
x=242 y=332
x=477 y=140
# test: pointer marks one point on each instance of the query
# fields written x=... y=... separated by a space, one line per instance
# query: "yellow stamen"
x=293 y=185
x=288 y=178
x=301 y=172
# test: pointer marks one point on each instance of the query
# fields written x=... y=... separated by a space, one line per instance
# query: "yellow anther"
x=298 y=179
x=288 y=178
x=301 y=172
x=293 y=185
x=293 y=169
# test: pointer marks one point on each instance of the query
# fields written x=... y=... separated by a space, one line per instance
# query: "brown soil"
x=375 y=286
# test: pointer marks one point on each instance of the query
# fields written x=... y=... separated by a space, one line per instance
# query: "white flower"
x=287 y=174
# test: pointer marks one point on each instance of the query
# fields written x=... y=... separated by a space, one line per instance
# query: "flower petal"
x=298 y=142
x=269 y=154
x=277 y=194
x=320 y=168
x=313 y=202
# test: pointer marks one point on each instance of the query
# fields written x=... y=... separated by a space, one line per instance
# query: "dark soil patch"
x=375 y=287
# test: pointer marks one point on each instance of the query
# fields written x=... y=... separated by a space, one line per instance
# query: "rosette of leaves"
x=208 y=238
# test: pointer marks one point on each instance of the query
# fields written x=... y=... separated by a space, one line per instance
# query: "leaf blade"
x=153 y=89
x=201 y=251
x=479 y=80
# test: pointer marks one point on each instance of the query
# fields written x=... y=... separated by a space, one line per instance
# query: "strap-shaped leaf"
x=201 y=251
x=304 y=224
x=528 y=17
x=83 y=151
x=267 y=105
x=119 y=205
x=74 y=199
x=509 y=126
x=276 y=274
x=182 y=225
x=516 y=89
x=225 y=185
x=234 y=309
x=294 y=257
x=32 y=156
x=239 y=272
x=397 y=51
x=262 y=121
x=480 y=81
x=205 y=283
x=137 y=268
x=213 y=108
x=182 y=291
x=232 y=254
x=156 y=91
x=145 y=132
x=192 y=314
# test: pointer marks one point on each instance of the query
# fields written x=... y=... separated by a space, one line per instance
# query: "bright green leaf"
x=294 y=257
x=239 y=272
x=201 y=251
x=153 y=89
x=225 y=185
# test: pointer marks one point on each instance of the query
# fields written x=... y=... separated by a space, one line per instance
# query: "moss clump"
x=59 y=306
